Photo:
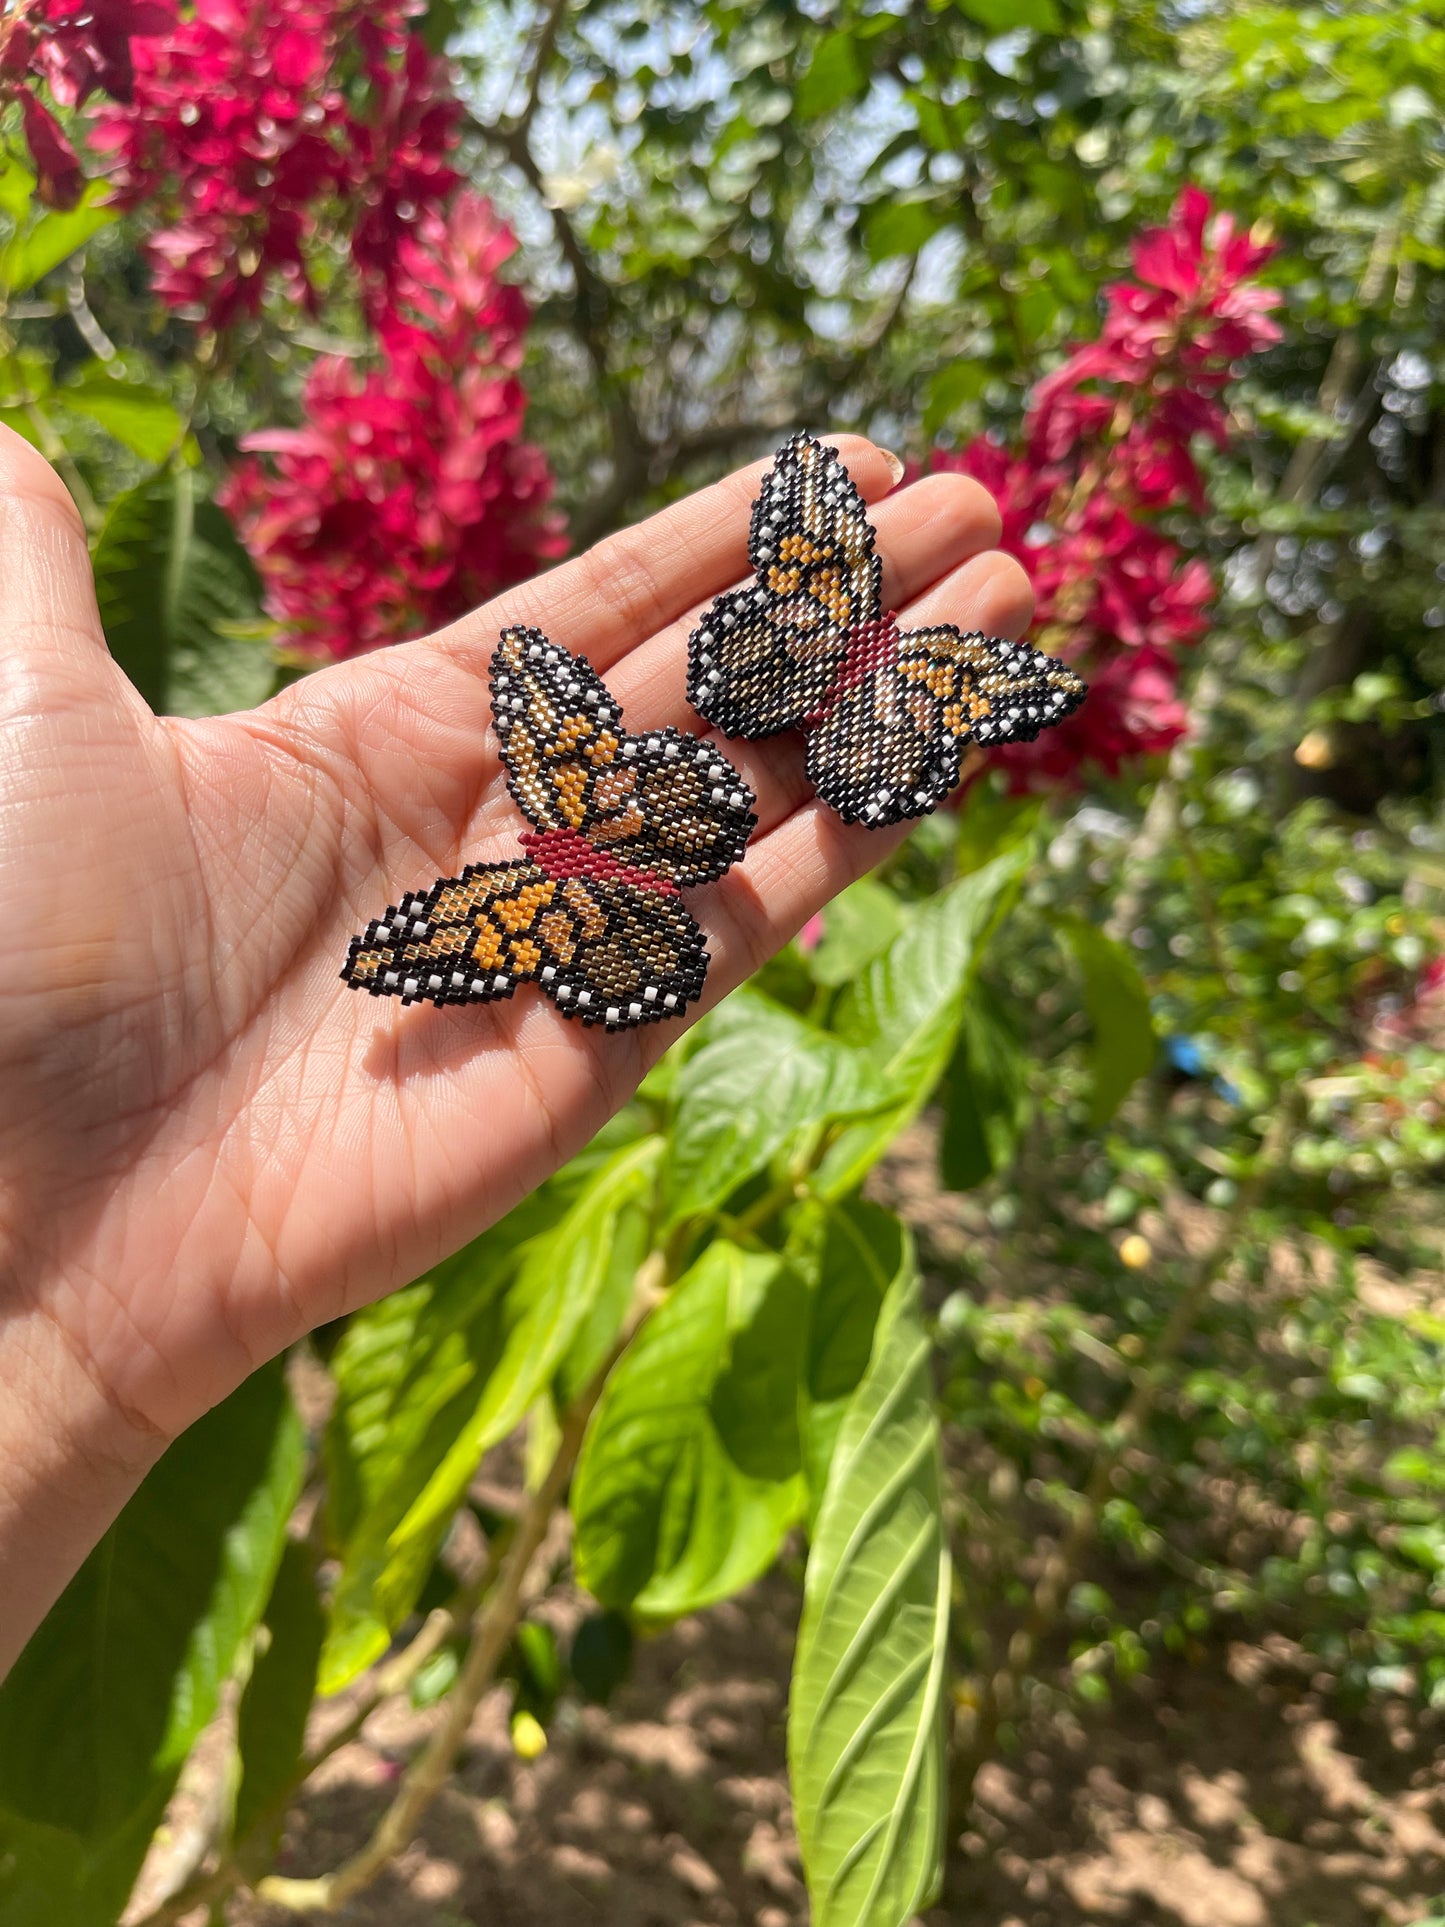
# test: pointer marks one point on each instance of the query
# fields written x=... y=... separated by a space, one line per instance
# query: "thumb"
x=49 y=623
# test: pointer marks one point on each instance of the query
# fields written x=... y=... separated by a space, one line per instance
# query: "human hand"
x=208 y=1143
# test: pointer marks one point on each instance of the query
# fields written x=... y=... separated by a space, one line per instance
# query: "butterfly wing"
x=620 y=954
x=663 y=801
x=601 y=929
x=468 y=939
x=892 y=746
x=560 y=730
x=607 y=951
x=763 y=656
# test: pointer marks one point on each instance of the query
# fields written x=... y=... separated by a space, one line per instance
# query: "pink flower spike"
x=409 y=495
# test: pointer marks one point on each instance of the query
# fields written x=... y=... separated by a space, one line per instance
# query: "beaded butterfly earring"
x=592 y=912
x=806 y=645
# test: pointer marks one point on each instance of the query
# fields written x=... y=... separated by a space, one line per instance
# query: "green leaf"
x=899 y=227
x=1035 y=312
x=141 y=418
x=271 y=1719
x=852 y=1253
x=601 y=1656
x=836 y=74
x=763 y=1081
x=690 y=1471
x=987 y=1102
x=865 y=1723
x=27 y=257
x=1003 y=16
x=430 y=1379
x=169 y=575
x=904 y=1012
x=19 y=420
x=17 y=188
x=955 y=385
x=1115 y=995
x=106 y=1702
x=858 y=926
x=989 y=822
x=438 y=24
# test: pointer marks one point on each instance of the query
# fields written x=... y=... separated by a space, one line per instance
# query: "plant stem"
x=59 y=456
x=492 y=1630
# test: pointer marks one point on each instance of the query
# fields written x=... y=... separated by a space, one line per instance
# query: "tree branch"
x=592 y=312
x=544 y=40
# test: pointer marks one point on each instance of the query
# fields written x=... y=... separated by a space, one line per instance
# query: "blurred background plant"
x=1044 y=1254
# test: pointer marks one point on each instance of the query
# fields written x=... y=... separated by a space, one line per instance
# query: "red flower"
x=76 y=47
x=1107 y=446
x=409 y=496
x=258 y=124
x=59 y=177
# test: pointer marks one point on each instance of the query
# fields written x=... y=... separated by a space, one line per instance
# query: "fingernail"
x=895 y=467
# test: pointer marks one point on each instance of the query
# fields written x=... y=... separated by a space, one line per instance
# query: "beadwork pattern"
x=592 y=913
x=888 y=713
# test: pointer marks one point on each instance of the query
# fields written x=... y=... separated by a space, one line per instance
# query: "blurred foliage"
x=1155 y=1070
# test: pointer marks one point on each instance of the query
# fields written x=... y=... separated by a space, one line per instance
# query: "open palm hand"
x=208 y=1144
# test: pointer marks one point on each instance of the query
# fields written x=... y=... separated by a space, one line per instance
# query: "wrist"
x=70 y=1458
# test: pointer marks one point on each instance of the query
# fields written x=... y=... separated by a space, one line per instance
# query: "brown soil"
x=1222 y=1794
x=1219 y=1796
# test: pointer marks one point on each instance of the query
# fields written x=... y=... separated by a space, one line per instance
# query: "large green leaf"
x=900 y=227
x=690 y=1471
x=170 y=576
x=271 y=1720
x=904 y=1011
x=1124 y=1045
x=1004 y=16
x=837 y=73
x=986 y=1094
x=851 y=1253
x=105 y=1703
x=858 y=926
x=31 y=253
x=865 y=1723
x=763 y=1080
x=431 y=1378
x=956 y=384
x=17 y=188
x=144 y=419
